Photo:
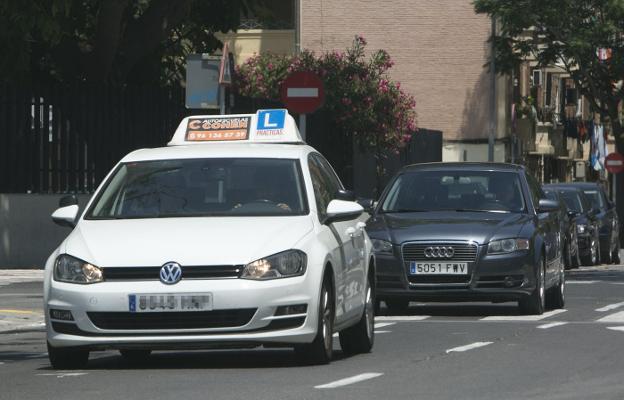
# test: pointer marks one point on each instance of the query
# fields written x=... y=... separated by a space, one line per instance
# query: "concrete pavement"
x=21 y=300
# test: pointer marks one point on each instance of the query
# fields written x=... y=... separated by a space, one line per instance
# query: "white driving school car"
x=235 y=235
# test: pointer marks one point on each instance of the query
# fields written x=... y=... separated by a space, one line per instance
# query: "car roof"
x=221 y=150
x=466 y=166
x=584 y=185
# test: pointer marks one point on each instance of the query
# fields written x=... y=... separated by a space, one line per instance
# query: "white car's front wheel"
x=67 y=357
x=320 y=351
x=360 y=337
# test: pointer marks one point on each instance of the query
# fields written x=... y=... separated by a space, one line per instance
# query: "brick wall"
x=439 y=47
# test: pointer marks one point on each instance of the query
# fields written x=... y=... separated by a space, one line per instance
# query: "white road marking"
x=468 y=347
x=384 y=324
x=616 y=328
x=402 y=318
x=580 y=282
x=616 y=317
x=1 y=363
x=64 y=374
x=610 y=307
x=349 y=381
x=376 y=332
x=551 y=325
x=523 y=317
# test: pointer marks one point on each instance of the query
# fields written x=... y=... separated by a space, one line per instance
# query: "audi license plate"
x=170 y=302
x=438 y=268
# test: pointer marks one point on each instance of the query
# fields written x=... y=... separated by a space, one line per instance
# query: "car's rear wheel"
x=67 y=357
x=360 y=337
x=320 y=351
x=135 y=356
x=592 y=257
x=555 y=297
x=397 y=305
x=535 y=303
x=568 y=256
x=615 y=257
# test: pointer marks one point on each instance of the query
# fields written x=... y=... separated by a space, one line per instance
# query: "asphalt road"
x=435 y=351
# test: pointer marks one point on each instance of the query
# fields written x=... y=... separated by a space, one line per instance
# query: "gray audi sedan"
x=467 y=232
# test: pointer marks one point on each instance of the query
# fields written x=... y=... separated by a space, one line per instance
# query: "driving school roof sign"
x=272 y=126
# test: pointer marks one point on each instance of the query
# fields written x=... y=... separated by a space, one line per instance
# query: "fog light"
x=509 y=281
x=63 y=315
x=292 y=309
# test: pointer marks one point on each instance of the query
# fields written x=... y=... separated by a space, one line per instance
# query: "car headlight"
x=381 y=246
x=580 y=228
x=503 y=246
x=73 y=270
x=281 y=265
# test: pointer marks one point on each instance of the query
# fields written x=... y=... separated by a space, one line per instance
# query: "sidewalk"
x=19 y=319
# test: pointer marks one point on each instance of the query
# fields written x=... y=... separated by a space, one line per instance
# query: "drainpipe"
x=492 y=96
x=297 y=26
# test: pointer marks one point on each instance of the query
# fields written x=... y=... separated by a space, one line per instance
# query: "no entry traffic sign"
x=302 y=92
x=614 y=163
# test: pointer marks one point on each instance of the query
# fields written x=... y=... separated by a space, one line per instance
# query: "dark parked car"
x=607 y=218
x=497 y=241
x=567 y=229
x=582 y=220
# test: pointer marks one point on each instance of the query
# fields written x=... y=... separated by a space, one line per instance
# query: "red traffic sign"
x=614 y=163
x=302 y=92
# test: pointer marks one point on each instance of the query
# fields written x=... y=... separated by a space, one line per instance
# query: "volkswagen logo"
x=170 y=273
x=439 y=252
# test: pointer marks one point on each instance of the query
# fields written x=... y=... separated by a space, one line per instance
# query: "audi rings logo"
x=170 y=273
x=439 y=252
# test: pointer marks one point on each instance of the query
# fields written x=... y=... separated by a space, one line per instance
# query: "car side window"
x=323 y=193
x=536 y=190
x=328 y=171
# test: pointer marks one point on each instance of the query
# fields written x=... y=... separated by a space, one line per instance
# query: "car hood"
x=479 y=227
x=188 y=241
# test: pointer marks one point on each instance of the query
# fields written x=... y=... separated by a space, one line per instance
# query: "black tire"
x=397 y=305
x=615 y=257
x=135 y=356
x=606 y=257
x=555 y=297
x=598 y=251
x=576 y=259
x=67 y=357
x=534 y=304
x=568 y=256
x=320 y=351
x=360 y=337
x=591 y=258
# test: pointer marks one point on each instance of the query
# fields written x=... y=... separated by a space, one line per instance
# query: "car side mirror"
x=69 y=200
x=572 y=214
x=547 y=205
x=341 y=210
x=346 y=195
x=66 y=216
x=367 y=204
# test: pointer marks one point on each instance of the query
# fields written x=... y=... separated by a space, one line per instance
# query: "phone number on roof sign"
x=214 y=129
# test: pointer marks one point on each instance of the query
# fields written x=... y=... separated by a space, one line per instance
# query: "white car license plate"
x=438 y=268
x=169 y=302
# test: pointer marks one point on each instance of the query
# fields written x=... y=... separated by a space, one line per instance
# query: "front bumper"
x=244 y=314
x=508 y=277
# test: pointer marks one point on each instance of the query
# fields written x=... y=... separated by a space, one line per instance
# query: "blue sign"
x=271 y=119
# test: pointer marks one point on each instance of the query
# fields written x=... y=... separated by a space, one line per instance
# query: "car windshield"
x=455 y=190
x=595 y=198
x=572 y=201
x=202 y=187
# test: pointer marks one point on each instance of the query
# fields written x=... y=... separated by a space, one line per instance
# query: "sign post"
x=614 y=163
x=302 y=92
x=225 y=77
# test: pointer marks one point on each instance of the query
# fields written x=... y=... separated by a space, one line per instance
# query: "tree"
x=568 y=32
x=116 y=41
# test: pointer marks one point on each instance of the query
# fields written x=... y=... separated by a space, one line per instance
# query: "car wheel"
x=568 y=256
x=615 y=257
x=591 y=258
x=535 y=302
x=576 y=259
x=67 y=357
x=397 y=305
x=607 y=257
x=555 y=298
x=360 y=337
x=598 y=253
x=135 y=356
x=320 y=351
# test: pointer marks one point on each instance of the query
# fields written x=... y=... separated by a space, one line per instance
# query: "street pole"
x=222 y=99
x=302 y=126
x=493 y=95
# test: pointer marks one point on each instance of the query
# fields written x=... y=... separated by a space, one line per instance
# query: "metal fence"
x=64 y=139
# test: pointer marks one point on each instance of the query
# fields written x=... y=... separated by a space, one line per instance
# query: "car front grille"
x=188 y=272
x=172 y=320
x=463 y=252
x=416 y=279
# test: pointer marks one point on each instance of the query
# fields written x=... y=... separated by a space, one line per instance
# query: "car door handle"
x=350 y=232
x=360 y=226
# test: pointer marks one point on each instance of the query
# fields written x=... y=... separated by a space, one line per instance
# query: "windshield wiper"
x=479 y=210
